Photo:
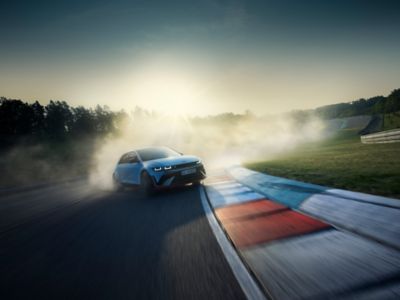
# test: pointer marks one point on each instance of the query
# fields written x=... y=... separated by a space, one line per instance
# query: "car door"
x=131 y=169
x=121 y=168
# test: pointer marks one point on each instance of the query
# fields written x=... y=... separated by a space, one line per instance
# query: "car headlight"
x=198 y=162
x=157 y=169
x=168 y=168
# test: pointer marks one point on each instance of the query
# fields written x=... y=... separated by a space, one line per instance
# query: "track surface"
x=69 y=241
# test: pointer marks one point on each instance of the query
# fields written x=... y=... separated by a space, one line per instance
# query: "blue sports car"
x=157 y=167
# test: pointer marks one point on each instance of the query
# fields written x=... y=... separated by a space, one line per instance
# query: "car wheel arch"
x=142 y=172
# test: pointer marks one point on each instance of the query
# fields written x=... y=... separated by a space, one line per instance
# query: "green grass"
x=341 y=162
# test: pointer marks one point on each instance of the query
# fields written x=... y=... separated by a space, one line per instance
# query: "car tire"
x=196 y=183
x=146 y=184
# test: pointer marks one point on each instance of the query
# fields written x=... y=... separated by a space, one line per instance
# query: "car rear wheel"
x=117 y=186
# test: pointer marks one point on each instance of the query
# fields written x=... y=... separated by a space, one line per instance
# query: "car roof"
x=147 y=148
x=144 y=149
x=151 y=148
x=130 y=152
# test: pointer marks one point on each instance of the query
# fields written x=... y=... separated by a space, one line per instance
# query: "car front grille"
x=185 y=165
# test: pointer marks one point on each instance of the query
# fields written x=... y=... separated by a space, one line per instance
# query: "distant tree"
x=104 y=120
x=392 y=103
x=16 y=117
x=59 y=119
x=38 y=122
x=121 y=119
x=83 y=122
x=374 y=105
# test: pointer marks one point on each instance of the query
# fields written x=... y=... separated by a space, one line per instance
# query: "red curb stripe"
x=251 y=209
x=268 y=228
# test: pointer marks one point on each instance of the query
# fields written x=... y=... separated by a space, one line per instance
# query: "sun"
x=168 y=91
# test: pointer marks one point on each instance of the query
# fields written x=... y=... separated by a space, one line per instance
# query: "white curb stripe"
x=232 y=191
x=218 y=200
x=223 y=186
x=245 y=280
x=373 y=221
x=221 y=182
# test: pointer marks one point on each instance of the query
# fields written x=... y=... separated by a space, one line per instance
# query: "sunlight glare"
x=167 y=91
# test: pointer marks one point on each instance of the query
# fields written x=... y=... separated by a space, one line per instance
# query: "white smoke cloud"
x=219 y=141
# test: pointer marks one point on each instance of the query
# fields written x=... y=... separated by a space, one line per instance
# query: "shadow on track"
x=118 y=245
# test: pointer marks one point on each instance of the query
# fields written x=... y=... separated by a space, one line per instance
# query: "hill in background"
x=368 y=115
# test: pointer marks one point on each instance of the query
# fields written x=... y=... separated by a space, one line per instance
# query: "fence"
x=388 y=136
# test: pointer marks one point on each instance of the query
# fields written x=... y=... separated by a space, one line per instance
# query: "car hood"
x=175 y=160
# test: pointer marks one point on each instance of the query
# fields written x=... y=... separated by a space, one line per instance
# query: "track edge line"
x=242 y=275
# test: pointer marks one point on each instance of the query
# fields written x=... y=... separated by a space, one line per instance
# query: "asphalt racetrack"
x=71 y=241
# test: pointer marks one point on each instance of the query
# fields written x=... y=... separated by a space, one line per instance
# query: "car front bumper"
x=176 y=177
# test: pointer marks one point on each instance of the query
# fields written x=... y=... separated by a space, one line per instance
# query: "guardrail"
x=387 y=136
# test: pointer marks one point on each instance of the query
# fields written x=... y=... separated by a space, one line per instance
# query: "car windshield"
x=156 y=153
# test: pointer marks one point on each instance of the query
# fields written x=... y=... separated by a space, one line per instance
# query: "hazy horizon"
x=155 y=110
x=199 y=58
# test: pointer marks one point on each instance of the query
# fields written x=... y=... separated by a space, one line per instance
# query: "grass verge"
x=341 y=162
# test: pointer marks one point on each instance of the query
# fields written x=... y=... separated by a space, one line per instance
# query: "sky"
x=199 y=57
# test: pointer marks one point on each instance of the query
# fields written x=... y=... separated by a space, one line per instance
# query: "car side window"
x=131 y=159
x=122 y=160
x=128 y=158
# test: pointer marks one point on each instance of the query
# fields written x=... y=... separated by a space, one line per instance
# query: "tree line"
x=58 y=121
x=372 y=106
x=55 y=121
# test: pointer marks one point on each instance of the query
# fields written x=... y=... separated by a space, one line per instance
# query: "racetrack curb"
x=288 y=232
x=244 y=278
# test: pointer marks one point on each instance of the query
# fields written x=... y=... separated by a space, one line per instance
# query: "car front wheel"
x=196 y=183
x=146 y=184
